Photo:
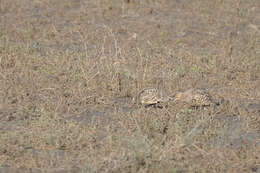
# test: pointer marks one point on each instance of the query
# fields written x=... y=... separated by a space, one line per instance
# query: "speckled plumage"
x=195 y=97
x=151 y=96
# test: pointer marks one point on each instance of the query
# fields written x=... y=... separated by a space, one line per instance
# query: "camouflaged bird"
x=152 y=96
x=195 y=97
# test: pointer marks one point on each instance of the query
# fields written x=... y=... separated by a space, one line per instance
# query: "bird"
x=195 y=97
x=153 y=96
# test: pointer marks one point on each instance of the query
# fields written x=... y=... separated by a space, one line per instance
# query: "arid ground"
x=70 y=71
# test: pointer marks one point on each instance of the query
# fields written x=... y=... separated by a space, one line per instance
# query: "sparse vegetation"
x=71 y=70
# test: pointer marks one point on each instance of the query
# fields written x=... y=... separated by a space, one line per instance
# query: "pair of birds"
x=193 y=97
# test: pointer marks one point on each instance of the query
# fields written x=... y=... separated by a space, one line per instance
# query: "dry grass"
x=70 y=69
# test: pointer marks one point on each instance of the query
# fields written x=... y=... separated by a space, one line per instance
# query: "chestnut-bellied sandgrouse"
x=195 y=97
x=152 y=96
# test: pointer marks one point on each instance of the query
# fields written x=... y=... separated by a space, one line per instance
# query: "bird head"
x=178 y=96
